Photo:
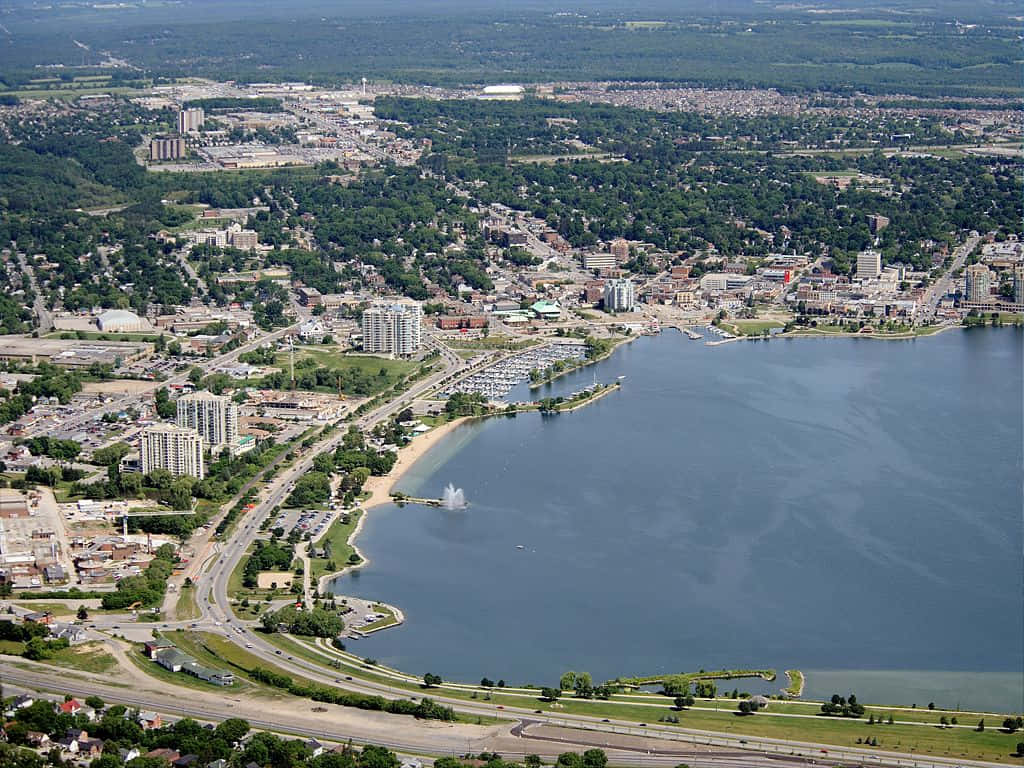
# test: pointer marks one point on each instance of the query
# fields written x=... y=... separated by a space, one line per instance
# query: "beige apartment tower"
x=178 y=450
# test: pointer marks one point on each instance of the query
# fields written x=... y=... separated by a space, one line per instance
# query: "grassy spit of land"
x=913 y=730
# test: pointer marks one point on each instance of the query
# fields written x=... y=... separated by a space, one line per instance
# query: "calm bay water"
x=838 y=505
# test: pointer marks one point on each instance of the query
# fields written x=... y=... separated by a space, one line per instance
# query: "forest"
x=900 y=48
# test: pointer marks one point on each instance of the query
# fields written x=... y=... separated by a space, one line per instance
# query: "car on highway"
x=277 y=652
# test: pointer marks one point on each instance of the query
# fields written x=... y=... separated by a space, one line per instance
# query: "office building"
x=162 y=148
x=214 y=417
x=244 y=240
x=190 y=120
x=599 y=261
x=619 y=296
x=1018 y=284
x=869 y=265
x=176 y=449
x=979 y=282
x=392 y=328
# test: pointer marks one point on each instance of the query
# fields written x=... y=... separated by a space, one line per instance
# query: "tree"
x=569 y=760
x=95 y=702
x=744 y=707
x=595 y=758
x=567 y=681
x=550 y=694
x=530 y=761
x=1020 y=748
x=430 y=680
x=82 y=614
x=981 y=726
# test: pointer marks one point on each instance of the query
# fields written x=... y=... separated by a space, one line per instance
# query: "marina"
x=496 y=381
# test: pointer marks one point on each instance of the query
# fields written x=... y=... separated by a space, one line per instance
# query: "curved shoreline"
x=380 y=488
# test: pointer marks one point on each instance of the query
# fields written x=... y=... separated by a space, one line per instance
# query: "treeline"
x=917 y=53
x=425 y=709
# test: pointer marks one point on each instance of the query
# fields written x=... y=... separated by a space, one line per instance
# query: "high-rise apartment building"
x=392 y=328
x=1018 y=284
x=161 y=148
x=214 y=417
x=190 y=120
x=869 y=265
x=619 y=295
x=979 y=283
x=176 y=449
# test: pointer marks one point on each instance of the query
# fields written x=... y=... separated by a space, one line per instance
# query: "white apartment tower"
x=392 y=328
x=978 y=283
x=869 y=265
x=190 y=120
x=178 y=450
x=619 y=296
x=214 y=417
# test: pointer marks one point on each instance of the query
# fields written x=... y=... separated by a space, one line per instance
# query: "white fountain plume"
x=453 y=498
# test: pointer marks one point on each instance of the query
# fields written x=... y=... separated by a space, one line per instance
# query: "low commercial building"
x=599 y=261
x=120 y=321
x=456 y=322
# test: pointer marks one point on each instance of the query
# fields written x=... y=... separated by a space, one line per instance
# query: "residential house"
x=150 y=720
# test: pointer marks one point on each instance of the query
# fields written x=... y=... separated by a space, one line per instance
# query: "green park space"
x=358 y=374
x=920 y=731
x=749 y=327
x=335 y=541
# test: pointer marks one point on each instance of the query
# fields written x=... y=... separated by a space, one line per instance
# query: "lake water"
x=849 y=507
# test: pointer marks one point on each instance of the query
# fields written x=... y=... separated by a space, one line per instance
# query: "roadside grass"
x=223 y=652
x=333 y=358
x=187 y=607
x=336 y=538
x=721 y=715
x=42 y=606
x=88 y=657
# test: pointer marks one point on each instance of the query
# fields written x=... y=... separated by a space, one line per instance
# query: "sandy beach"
x=379 y=488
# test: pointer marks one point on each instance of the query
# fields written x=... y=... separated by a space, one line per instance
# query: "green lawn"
x=385 y=373
x=750 y=327
x=336 y=537
x=187 y=607
x=721 y=716
x=388 y=620
x=88 y=657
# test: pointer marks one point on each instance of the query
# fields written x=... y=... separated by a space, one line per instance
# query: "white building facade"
x=393 y=328
x=214 y=417
x=619 y=296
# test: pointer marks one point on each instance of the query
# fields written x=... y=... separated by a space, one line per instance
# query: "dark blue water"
x=829 y=504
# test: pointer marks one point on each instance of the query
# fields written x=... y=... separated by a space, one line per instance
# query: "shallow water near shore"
x=825 y=504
